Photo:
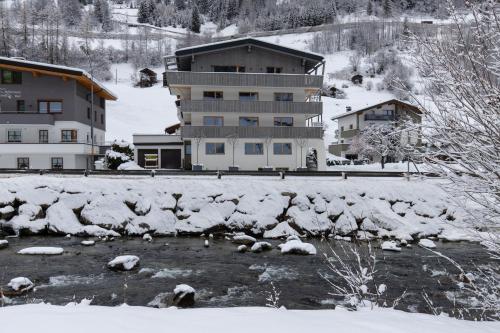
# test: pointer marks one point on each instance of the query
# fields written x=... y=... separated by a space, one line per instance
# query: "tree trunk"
x=382 y=162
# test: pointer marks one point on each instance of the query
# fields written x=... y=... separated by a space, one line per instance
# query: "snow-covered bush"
x=120 y=152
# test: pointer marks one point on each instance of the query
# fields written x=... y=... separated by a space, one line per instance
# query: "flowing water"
x=221 y=276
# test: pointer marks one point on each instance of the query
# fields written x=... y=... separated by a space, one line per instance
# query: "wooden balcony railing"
x=251 y=132
x=314 y=108
x=241 y=79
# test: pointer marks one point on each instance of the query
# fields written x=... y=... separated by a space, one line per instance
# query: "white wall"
x=254 y=162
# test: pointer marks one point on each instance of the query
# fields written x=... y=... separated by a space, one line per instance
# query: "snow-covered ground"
x=104 y=206
x=138 y=110
x=44 y=318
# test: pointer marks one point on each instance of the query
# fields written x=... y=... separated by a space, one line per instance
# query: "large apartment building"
x=391 y=112
x=46 y=115
x=244 y=103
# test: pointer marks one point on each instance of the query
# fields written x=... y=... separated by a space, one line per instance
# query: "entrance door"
x=170 y=158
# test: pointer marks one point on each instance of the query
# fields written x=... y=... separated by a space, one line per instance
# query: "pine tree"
x=369 y=8
x=195 y=20
x=71 y=11
x=98 y=10
x=387 y=8
x=107 y=24
x=143 y=12
x=180 y=4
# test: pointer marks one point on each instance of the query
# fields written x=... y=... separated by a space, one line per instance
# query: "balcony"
x=313 y=108
x=349 y=133
x=53 y=147
x=15 y=117
x=251 y=132
x=175 y=78
x=338 y=148
x=379 y=117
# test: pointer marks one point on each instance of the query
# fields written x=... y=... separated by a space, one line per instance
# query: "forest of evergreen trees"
x=267 y=15
x=45 y=30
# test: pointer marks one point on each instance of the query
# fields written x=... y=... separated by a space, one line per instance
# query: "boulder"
x=7 y=212
x=244 y=240
x=19 y=285
x=295 y=246
x=124 y=263
x=183 y=296
x=88 y=243
x=242 y=248
x=3 y=244
x=261 y=246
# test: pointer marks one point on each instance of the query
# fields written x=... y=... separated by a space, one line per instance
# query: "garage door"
x=170 y=158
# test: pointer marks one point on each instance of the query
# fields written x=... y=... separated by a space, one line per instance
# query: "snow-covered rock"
x=3 y=244
x=242 y=248
x=390 y=246
x=147 y=238
x=7 y=212
x=283 y=229
x=21 y=284
x=427 y=243
x=244 y=240
x=184 y=296
x=261 y=246
x=124 y=263
x=295 y=246
x=88 y=243
x=42 y=250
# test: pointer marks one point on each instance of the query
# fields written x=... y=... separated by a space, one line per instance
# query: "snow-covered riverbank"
x=268 y=207
x=78 y=318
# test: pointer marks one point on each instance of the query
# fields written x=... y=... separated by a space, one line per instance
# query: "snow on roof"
x=390 y=101
x=55 y=68
x=245 y=40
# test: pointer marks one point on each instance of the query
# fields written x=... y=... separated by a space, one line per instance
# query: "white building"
x=352 y=123
x=244 y=104
x=46 y=117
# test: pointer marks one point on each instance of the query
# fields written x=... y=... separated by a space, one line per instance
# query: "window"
x=10 y=77
x=14 y=135
x=187 y=147
x=208 y=95
x=213 y=121
x=102 y=102
x=102 y=119
x=254 y=148
x=350 y=126
x=249 y=96
x=282 y=149
x=23 y=163
x=50 y=106
x=95 y=116
x=43 y=136
x=214 y=148
x=283 y=97
x=283 y=121
x=341 y=128
x=68 y=135
x=230 y=69
x=56 y=163
x=276 y=70
x=21 y=106
x=88 y=113
x=249 y=121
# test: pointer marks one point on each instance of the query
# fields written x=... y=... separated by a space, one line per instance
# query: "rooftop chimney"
x=348 y=109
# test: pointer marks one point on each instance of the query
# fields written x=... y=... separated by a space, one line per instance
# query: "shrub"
x=119 y=153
